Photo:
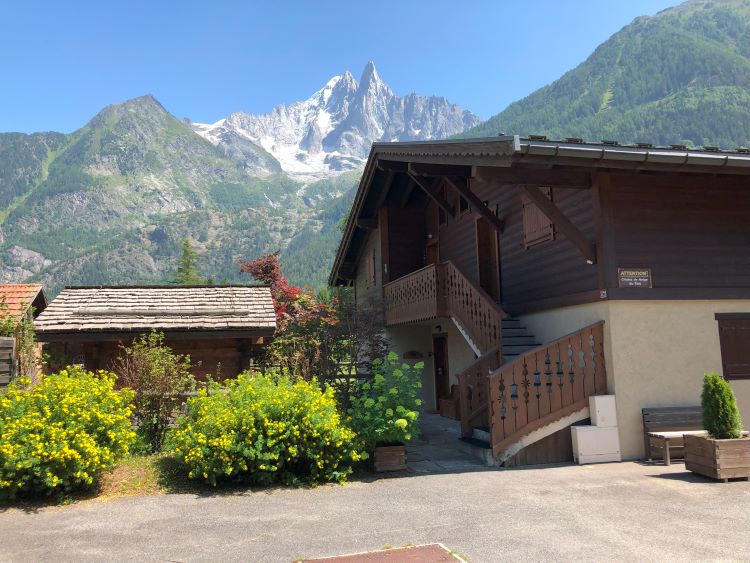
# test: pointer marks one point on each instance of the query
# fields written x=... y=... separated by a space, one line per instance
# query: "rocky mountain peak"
x=332 y=131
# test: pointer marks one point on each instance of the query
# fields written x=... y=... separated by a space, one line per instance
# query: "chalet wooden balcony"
x=442 y=290
x=414 y=297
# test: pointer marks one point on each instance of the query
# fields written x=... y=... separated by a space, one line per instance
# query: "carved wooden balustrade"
x=474 y=389
x=546 y=384
x=472 y=307
x=413 y=297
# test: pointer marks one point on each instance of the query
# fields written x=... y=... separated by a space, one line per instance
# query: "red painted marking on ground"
x=433 y=553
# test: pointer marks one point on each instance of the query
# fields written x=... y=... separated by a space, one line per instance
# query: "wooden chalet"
x=221 y=327
x=531 y=274
x=18 y=301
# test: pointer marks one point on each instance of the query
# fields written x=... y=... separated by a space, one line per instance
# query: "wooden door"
x=432 y=252
x=440 y=361
x=487 y=259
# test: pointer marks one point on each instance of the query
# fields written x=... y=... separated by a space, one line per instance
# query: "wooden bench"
x=664 y=428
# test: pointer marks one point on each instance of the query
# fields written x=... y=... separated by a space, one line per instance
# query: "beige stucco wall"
x=418 y=338
x=655 y=353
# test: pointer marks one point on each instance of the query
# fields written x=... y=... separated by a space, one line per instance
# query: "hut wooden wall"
x=219 y=358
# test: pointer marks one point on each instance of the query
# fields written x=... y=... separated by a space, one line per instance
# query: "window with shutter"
x=537 y=228
x=734 y=338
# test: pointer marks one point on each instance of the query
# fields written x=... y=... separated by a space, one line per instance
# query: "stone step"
x=482 y=435
x=511 y=323
x=478 y=449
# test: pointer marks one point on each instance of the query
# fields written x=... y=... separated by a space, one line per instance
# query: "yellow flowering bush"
x=385 y=409
x=60 y=433
x=263 y=429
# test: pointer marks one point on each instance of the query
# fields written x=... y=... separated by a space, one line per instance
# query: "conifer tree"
x=187 y=266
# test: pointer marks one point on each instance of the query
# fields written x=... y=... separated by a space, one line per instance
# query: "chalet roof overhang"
x=509 y=160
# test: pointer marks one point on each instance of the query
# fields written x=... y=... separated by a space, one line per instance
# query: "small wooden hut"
x=222 y=328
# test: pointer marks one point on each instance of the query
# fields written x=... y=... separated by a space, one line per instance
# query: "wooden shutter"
x=734 y=338
x=537 y=227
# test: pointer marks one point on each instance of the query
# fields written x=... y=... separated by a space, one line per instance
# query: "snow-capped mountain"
x=332 y=131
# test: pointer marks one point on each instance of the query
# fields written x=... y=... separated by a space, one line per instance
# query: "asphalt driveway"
x=613 y=512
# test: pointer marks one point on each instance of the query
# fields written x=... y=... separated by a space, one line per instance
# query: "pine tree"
x=187 y=267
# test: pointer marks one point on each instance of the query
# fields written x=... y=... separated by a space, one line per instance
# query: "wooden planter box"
x=719 y=459
x=390 y=458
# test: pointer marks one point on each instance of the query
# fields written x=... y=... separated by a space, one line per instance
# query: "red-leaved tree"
x=323 y=336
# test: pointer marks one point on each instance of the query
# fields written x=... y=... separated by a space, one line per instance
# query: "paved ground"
x=614 y=512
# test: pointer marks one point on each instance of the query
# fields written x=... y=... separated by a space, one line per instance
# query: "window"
x=463 y=205
x=537 y=228
x=442 y=215
x=371 y=276
x=734 y=339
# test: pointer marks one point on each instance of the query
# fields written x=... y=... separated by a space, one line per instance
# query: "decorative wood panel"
x=413 y=297
x=545 y=385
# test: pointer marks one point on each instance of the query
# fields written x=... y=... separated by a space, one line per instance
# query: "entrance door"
x=432 y=252
x=487 y=259
x=440 y=361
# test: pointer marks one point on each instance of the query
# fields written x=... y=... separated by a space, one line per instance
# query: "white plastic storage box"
x=595 y=444
x=603 y=411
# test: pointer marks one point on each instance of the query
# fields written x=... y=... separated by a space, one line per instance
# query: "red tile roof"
x=19 y=296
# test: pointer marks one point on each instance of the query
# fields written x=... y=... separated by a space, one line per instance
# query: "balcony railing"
x=442 y=290
x=413 y=297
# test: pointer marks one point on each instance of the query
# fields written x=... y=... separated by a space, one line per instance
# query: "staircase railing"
x=472 y=307
x=546 y=384
x=474 y=390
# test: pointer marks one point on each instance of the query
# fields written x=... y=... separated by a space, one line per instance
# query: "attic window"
x=537 y=228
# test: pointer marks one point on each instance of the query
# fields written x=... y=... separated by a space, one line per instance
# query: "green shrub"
x=264 y=429
x=159 y=378
x=62 y=432
x=385 y=409
x=721 y=417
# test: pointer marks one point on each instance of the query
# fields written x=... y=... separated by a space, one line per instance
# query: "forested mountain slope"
x=680 y=77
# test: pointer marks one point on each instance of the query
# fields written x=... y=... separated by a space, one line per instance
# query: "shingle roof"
x=170 y=308
x=20 y=296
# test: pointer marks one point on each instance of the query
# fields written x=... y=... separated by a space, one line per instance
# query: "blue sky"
x=64 y=61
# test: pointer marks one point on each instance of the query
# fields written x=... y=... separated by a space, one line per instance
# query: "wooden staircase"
x=510 y=403
x=516 y=339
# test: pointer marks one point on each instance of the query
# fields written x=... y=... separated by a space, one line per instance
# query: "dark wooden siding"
x=458 y=240
x=550 y=270
x=694 y=236
x=406 y=239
